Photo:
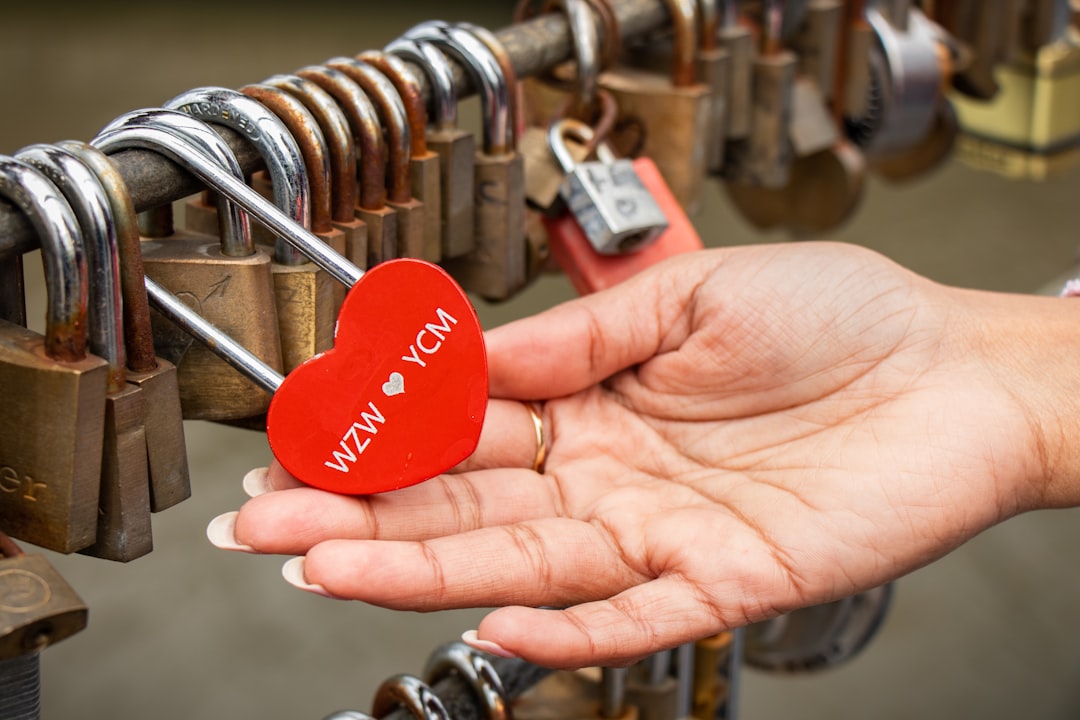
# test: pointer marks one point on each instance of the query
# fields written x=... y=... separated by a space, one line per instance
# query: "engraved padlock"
x=123 y=522
x=37 y=609
x=227 y=278
x=607 y=198
x=48 y=488
x=496 y=268
x=455 y=147
x=166 y=450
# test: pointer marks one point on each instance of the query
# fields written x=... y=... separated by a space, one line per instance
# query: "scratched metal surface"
x=189 y=631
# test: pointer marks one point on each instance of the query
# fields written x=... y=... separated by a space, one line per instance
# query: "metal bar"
x=153 y=180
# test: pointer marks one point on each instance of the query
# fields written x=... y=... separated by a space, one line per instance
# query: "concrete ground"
x=192 y=632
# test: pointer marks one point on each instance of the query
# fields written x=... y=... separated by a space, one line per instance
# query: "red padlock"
x=590 y=270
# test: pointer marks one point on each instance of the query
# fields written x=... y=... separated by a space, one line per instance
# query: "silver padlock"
x=607 y=198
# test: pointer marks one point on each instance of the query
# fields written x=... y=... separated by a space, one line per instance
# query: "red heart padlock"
x=401 y=396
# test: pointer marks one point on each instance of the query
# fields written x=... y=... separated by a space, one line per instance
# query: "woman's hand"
x=731 y=435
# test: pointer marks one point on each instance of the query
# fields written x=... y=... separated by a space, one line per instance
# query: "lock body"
x=123 y=522
x=426 y=188
x=456 y=149
x=235 y=294
x=495 y=269
x=589 y=271
x=612 y=206
x=48 y=487
x=37 y=606
x=167 y=464
x=674 y=120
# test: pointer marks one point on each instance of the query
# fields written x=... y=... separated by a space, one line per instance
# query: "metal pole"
x=153 y=180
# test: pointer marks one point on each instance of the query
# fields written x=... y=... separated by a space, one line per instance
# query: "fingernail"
x=293 y=572
x=222 y=533
x=257 y=482
x=469 y=638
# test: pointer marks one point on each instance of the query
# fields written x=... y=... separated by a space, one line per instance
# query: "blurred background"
x=191 y=632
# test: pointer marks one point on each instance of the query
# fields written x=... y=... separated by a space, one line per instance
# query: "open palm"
x=731 y=435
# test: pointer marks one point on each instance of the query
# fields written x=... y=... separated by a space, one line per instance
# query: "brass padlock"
x=123 y=531
x=38 y=608
x=49 y=489
x=455 y=147
x=713 y=62
x=341 y=150
x=308 y=299
x=495 y=269
x=607 y=198
x=423 y=162
x=166 y=450
x=673 y=110
x=226 y=279
x=395 y=123
x=1030 y=129
x=764 y=158
x=302 y=291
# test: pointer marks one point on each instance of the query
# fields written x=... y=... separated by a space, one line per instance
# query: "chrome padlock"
x=607 y=198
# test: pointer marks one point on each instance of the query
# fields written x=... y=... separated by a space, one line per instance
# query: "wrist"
x=1031 y=347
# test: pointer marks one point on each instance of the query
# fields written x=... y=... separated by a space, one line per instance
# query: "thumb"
x=581 y=342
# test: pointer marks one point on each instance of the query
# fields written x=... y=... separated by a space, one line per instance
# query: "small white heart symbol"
x=394 y=386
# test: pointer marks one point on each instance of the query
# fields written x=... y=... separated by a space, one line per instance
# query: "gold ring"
x=541 y=444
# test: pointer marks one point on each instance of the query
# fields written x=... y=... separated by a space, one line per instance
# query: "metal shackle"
x=440 y=77
x=580 y=131
x=506 y=67
x=138 y=336
x=384 y=96
x=708 y=24
x=339 y=141
x=486 y=73
x=684 y=22
x=263 y=129
x=365 y=126
x=183 y=152
x=309 y=138
x=408 y=89
x=233 y=224
x=66 y=278
x=80 y=187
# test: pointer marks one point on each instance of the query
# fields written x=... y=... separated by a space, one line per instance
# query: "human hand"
x=731 y=435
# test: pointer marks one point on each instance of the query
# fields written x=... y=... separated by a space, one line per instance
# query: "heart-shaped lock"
x=399 y=399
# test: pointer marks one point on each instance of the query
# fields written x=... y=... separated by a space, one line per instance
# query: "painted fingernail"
x=469 y=638
x=222 y=533
x=293 y=572
x=257 y=482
